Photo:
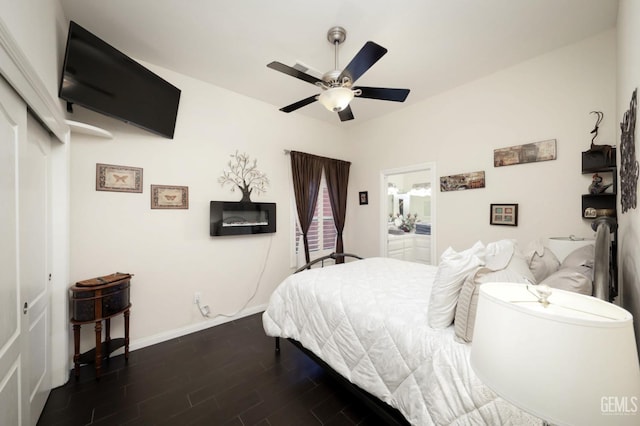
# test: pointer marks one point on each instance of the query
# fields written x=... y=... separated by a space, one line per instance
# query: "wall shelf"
x=88 y=129
x=597 y=162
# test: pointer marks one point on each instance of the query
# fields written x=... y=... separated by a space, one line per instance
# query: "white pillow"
x=465 y=315
x=542 y=261
x=452 y=271
x=583 y=256
x=577 y=279
x=499 y=253
x=505 y=254
x=515 y=271
x=520 y=266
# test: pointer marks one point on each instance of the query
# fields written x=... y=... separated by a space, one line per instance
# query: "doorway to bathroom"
x=407 y=221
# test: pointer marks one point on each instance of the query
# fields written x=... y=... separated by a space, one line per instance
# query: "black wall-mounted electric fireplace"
x=241 y=218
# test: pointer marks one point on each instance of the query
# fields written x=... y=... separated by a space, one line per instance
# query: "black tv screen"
x=99 y=77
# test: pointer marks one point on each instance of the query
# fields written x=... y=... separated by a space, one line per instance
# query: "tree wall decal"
x=244 y=175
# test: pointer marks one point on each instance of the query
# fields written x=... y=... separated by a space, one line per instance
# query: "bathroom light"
x=567 y=358
x=421 y=189
x=336 y=98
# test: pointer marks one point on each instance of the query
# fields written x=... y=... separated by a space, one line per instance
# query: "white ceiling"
x=434 y=45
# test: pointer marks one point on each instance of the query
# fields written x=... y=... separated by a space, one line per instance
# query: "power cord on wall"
x=206 y=312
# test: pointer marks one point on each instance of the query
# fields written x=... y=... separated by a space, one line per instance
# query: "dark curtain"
x=306 y=170
x=336 y=173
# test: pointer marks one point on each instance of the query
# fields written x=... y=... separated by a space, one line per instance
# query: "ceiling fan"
x=338 y=86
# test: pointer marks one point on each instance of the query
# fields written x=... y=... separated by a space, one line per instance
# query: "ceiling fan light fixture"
x=336 y=98
x=337 y=86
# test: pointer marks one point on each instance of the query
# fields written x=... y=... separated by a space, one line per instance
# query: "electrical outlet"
x=196 y=297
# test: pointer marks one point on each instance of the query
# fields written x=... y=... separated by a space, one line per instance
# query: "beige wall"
x=170 y=251
x=548 y=97
x=629 y=222
x=44 y=47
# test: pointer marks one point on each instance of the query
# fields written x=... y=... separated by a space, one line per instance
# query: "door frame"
x=384 y=175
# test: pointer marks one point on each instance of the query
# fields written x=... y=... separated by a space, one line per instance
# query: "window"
x=322 y=233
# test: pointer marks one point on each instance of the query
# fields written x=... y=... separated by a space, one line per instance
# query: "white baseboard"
x=191 y=328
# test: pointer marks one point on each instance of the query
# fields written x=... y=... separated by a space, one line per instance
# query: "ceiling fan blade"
x=278 y=66
x=364 y=59
x=384 y=94
x=304 y=102
x=346 y=114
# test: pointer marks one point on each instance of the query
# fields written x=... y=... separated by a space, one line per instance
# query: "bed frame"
x=605 y=266
x=387 y=413
x=334 y=256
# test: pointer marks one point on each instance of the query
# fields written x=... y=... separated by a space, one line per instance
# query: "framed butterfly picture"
x=169 y=197
x=118 y=178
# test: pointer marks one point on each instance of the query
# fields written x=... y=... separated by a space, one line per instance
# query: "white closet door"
x=13 y=399
x=34 y=237
x=25 y=345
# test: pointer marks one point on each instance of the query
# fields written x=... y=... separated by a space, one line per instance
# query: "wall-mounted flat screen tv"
x=99 y=77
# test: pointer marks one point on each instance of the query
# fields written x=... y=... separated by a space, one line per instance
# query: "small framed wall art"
x=169 y=197
x=364 y=197
x=504 y=214
x=118 y=178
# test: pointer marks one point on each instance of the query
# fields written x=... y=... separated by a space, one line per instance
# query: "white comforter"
x=368 y=320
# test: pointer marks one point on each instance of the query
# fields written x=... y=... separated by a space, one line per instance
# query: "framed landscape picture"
x=504 y=214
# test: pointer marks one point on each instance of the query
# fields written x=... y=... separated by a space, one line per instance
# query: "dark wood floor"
x=225 y=375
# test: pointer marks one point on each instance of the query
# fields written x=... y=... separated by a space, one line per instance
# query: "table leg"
x=126 y=335
x=107 y=330
x=98 y=348
x=107 y=336
x=76 y=350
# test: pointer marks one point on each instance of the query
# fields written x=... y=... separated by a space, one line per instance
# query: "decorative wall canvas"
x=118 y=178
x=169 y=197
x=527 y=153
x=462 y=181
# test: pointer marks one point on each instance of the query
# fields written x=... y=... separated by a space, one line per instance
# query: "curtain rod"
x=288 y=152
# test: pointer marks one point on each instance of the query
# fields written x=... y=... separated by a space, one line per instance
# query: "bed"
x=369 y=321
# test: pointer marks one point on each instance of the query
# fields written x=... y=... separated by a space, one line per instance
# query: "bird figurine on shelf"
x=596 y=186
